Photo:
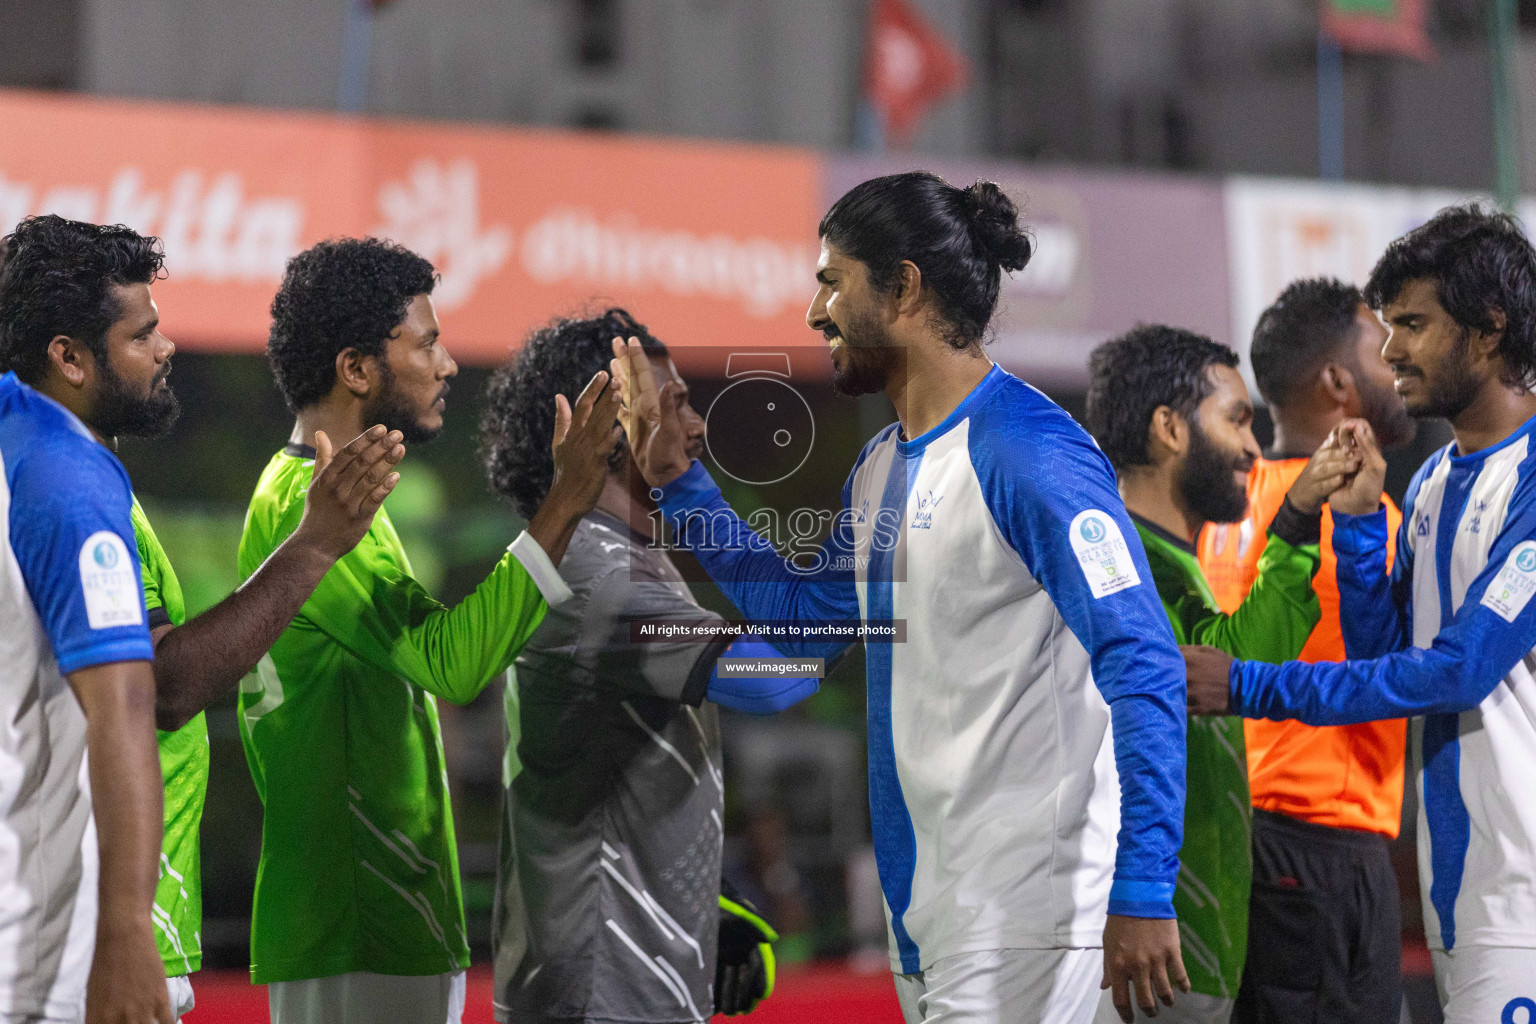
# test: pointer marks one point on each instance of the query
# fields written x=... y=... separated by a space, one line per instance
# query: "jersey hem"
x=309 y=970
x=182 y=966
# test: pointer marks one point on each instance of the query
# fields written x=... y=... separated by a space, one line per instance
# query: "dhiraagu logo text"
x=1102 y=553
x=1512 y=588
x=112 y=589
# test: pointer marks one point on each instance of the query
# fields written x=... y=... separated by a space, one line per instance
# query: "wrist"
x=309 y=553
x=661 y=476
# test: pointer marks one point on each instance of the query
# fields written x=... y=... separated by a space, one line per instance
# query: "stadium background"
x=1178 y=160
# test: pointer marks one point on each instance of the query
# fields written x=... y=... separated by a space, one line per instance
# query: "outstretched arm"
x=1373 y=601
x=202 y=660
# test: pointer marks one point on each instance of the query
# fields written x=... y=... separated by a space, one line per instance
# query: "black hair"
x=1480 y=261
x=342 y=293
x=961 y=240
x=56 y=277
x=1312 y=322
x=518 y=424
x=1149 y=366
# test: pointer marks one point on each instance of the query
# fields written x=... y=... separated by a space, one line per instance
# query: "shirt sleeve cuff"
x=1353 y=535
x=1128 y=898
x=1295 y=527
x=545 y=576
x=135 y=649
x=691 y=490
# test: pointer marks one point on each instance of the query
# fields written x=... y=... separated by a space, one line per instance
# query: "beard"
x=869 y=357
x=1387 y=415
x=1454 y=388
x=122 y=412
x=1205 y=480
x=393 y=407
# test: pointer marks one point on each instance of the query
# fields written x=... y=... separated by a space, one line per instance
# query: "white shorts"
x=1020 y=986
x=1187 y=1008
x=1496 y=984
x=182 y=1000
x=364 y=998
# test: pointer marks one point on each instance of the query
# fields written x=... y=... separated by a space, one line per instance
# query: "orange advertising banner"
x=710 y=245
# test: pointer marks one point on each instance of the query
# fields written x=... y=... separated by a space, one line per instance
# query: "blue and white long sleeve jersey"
x=70 y=598
x=999 y=774
x=1449 y=637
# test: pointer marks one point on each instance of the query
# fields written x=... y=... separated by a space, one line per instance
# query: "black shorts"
x=1324 y=927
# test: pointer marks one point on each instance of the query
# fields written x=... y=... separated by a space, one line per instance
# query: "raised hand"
x=347 y=489
x=1142 y=961
x=649 y=415
x=1331 y=467
x=1361 y=494
x=1209 y=680
x=584 y=439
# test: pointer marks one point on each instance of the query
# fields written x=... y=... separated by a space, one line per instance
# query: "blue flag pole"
x=1330 y=109
x=356 y=46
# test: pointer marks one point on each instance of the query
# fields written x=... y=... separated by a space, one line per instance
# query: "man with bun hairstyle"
x=1034 y=711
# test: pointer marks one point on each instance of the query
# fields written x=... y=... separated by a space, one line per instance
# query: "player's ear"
x=70 y=359
x=356 y=372
x=908 y=288
x=1167 y=433
x=1338 y=383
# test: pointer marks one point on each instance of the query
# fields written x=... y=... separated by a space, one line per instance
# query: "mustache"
x=1243 y=465
x=1406 y=370
x=830 y=332
x=443 y=394
x=695 y=449
x=165 y=371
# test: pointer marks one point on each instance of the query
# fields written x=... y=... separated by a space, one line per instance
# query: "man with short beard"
x=1326 y=801
x=358 y=916
x=80 y=331
x=1447 y=638
x=1029 y=718
x=1172 y=413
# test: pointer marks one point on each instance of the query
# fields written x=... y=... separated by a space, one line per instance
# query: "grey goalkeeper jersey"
x=610 y=834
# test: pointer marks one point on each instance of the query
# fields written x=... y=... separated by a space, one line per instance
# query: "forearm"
x=1411 y=682
x=751 y=572
x=554 y=524
x=203 y=660
x=1280 y=611
x=1369 y=616
x=127 y=795
x=762 y=695
x=1149 y=756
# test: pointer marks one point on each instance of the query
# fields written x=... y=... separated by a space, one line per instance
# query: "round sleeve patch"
x=1512 y=588
x=1102 y=553
x=111 y=586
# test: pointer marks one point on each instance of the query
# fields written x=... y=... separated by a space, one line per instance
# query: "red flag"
x=908 y=67
x=1378 y=26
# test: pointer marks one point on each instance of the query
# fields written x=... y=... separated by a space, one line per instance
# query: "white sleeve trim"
x=545 y=576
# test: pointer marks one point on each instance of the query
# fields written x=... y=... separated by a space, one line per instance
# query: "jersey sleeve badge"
x=1102 y=553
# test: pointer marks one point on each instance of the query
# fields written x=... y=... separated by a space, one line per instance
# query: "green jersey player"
x=358 y=915
x=112 y=371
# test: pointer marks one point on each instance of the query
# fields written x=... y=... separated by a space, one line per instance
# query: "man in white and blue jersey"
x=1031 y=716
x=75 y=677
x=1450 y=633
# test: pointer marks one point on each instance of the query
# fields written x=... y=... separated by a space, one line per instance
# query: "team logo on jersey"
x=1512 y=588
x=1423 y=528
x=922 y=519
x=1476 y=526
x=110 y=586
x=1102 y=553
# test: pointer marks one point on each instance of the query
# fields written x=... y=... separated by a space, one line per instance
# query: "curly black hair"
x=518 y=424
x=1312 y=322
x=1149 y=366
x=342 y=293
x=1480 y=261
x=961 y=239
x=56 y=277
